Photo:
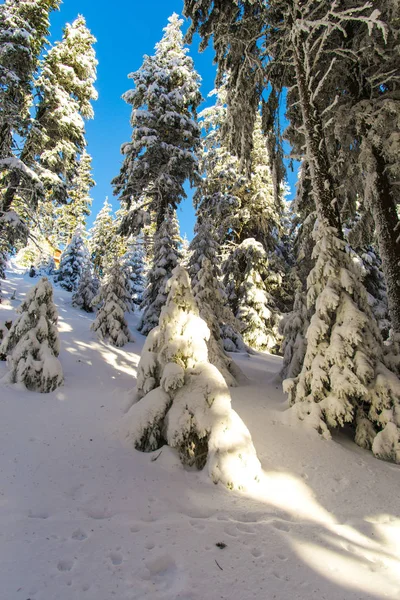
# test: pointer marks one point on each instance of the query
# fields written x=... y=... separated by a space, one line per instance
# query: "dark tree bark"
x=383 y=208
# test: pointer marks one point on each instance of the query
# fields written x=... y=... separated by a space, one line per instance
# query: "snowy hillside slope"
x=84 y=517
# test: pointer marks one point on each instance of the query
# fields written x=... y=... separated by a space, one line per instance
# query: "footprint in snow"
x=79 y=535
x=281 y=525
x=65 y=565
x=164 y=575
x=38 y=514
x=116 y=558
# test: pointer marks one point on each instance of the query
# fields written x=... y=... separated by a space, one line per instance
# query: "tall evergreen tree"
x=160 y=157
x=57 y=135
x=23 y=29
x=72 y=215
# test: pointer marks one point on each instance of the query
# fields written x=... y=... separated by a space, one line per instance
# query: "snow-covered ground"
x=84 y=517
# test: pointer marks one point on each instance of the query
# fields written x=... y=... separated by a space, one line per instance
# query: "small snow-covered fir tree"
x=72 y=263
x=165 y=258
x=101 y=240
x=45 y=265
x=110 y=323
x=133 y=261
x=32 y=345
x=247 y=278
x=87 y=290
x=184 y=400
x=343 y=377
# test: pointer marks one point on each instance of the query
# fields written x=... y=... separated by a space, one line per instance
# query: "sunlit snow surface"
x=84 y=517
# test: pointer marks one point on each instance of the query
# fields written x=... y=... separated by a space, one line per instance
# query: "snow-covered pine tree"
x=72 y=215
x=45 y=265
x=165 y=258
x=23 y=29
x=218 y=195
x=261 y=214
x=248 y=282
x=160 y=157
x=66 y=89
x=101 y=240
x=133 y=261
x=87 y=290
x=110 y=324
x=32 y=345
x=57 y=135
x=343 y=377
x=72 y=263
x=184 y=400
x=210 y=295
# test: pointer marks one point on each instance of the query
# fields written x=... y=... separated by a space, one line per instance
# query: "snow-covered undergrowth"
x=84 y=517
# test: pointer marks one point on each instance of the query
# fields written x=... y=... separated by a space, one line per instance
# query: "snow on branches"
x=184 y=400
x=110 y=323
x=343 y=377
x=32 y=345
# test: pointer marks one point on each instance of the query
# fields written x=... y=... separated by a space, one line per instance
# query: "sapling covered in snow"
x=32 y=345
x=72 y=263
x=343 y=377
x=246 y=280
x=101 y=240
x=87 y=290
x=110 y=323
x=45 y=265
x=134 y=264
x=184 y=400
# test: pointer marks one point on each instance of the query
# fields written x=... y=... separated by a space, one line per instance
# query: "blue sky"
x=125 y=31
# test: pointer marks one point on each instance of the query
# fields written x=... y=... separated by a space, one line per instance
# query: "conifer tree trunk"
x=10 y=191
x=316 y=147
x=384 y=213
